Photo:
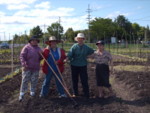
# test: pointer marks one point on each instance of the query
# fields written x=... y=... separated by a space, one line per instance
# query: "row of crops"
x=132 y=51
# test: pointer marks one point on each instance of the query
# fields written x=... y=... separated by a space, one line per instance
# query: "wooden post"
x=12 y=56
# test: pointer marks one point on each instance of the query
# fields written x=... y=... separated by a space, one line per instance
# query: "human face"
x=53 y=44
x=80 y=41
x=34 y=42
x=100 y=47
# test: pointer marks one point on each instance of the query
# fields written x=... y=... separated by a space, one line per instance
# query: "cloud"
x=113 y=15
x=44 y=5
x=2 y=13
x=20 y=6
x=77 y=23
x=17 y=1
x=45 y=12
x=15 y=23
x=95 y=7
x=40 y=14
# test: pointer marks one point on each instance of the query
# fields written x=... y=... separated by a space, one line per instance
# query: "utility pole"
x=12 y=54
x=4 y=36
x=44 y=35
x=88 y=18
x=145 y=35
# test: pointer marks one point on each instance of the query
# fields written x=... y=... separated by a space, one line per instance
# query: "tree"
x=36 y=31
x=124 y=27
x=70 y=35
x=55 y=30
x=148 y=33
x=102 y=28
x=135 y=31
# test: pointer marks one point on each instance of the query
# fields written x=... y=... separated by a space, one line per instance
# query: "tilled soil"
x=6 y=69
x=126 y=100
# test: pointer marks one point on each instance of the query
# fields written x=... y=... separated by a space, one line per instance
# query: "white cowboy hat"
x=79 y=35
x=52 y=38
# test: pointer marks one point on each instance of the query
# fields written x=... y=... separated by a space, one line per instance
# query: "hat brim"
x=100 y=43
x=34 y=39
x=76 y=38
x=48 y=42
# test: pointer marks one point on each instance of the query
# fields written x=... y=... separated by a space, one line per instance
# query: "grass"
x=5 y=51
x=11 y=75
x=132 y=58
x=135 y=68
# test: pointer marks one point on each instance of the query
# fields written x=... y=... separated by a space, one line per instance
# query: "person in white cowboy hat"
x=30 y=60
x=78 y=59
x=50 y=52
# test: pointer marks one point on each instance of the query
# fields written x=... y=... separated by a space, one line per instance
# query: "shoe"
x=32 y=94
x=63 y=96
x=21 y=98
x=74 y=96
x=41 y=96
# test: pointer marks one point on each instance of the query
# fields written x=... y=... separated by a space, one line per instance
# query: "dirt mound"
x=8 y=87
x=53 y=104
x=138 y=82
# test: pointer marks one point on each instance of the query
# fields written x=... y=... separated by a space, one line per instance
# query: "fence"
x=10 y=56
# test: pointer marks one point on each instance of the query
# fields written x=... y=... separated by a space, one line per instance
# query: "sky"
x=19 y=16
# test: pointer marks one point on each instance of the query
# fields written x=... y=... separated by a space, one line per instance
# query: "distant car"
x=148 y=42
x=4 y=45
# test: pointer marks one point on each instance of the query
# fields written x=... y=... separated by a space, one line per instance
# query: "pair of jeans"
x=46 y=84
x=82 y=72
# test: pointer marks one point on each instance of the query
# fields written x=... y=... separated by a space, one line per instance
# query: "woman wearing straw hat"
x=55 y=57
x=30 y=60
x=78 y=60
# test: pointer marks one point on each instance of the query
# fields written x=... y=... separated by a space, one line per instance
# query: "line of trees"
x=99 y=29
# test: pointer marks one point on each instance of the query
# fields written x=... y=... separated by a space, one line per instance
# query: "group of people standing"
x=53 y=66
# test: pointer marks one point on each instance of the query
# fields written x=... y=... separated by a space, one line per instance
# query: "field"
x=130 y=82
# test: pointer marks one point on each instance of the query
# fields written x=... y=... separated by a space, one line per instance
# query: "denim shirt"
x=51 y=61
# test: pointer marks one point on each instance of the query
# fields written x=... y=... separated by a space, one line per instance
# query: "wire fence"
x=134 y=53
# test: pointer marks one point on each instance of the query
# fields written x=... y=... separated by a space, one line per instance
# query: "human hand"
x=66 y=60
x=56 y=62
x=24 y=68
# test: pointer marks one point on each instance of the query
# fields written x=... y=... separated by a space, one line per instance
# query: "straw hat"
x=52 y=38
x=79 y=35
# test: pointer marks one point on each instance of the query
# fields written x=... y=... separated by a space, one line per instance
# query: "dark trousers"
x=102 y=75
x=82 y=72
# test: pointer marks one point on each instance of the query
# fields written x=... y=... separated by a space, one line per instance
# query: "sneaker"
x=32 y=94
x=63 y=96
x=43 y=96
x=74 y=96
x=21 y=98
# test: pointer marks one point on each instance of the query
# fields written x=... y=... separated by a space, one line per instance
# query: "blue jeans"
x=46 y=84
